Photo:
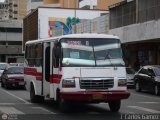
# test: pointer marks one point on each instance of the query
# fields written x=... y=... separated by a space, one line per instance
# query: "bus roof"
x=83 y=35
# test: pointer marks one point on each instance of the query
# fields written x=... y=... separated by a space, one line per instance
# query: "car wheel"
x=6 y=86
x=156 y=90
x=2 y=84
x=137 y=87
x=114 y=105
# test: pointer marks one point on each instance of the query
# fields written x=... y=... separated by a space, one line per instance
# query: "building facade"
x=137 y=23
x=101 y=4
x=4 y=14
x=11 y=30
x=11 y=41
x=64 y=3
x=33 y=4
x=104 y=4
x=17 y=9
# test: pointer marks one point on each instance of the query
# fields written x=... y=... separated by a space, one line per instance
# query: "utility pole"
x=75 y=15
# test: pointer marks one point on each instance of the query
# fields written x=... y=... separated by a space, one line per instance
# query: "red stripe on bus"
x=33 y=72
x=55 y=78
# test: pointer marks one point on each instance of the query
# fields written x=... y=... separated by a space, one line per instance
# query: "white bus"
x=85 y=68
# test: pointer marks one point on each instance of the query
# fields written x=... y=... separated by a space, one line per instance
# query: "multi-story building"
x=11 y=30
x=13 y=9
x=17 y=8
x=4 y=14
x=63 y=3
x=137 y=23
x=101 y=4
x=11 y=41
x=33 y=4
x=104 y=4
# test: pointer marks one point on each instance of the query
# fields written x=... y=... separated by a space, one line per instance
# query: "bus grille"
x=96 y=84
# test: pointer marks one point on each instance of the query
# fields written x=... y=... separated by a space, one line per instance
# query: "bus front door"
x=46 y=69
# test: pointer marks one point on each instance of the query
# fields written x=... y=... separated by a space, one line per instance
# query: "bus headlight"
x=122 y=82
x=68 y=83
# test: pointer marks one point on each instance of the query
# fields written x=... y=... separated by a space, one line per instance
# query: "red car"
x=13 y=77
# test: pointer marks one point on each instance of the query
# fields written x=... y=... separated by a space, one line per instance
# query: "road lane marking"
x=43 y=109
x=150 y=102
x=10 y=110
x=144 y=109
x=7 y=103
x=145 y=96
x=26 y=102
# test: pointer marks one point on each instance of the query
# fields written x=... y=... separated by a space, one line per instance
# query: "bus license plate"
x=98 y=96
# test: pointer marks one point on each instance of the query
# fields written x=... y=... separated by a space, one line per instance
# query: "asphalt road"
x=16 y=104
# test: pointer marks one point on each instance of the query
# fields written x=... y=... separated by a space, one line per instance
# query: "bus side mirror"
x=57 y=49
x=57 y=52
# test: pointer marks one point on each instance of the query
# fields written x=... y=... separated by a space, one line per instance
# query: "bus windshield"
x=91 y=52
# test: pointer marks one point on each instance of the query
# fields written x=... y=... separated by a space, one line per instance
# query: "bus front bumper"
x=95 y=96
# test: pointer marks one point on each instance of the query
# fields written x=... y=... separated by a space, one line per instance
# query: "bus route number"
x=74 y=42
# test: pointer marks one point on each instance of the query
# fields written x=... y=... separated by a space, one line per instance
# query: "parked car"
x=13 y=64
x=3 y=66
x=13 y=77
x=16 y=64
x=130 y=77
x=21 y=64
x=148 y=78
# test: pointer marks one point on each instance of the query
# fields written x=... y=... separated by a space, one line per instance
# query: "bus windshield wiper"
x=109 y=57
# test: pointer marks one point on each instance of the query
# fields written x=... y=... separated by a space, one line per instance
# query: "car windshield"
x=91 y=52
x=21 y=64
x=130 y=71
x=13 y=64
x=3 y=66
x=15 y=70
x=157 y=71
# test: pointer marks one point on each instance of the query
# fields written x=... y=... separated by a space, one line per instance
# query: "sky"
x=88 y=2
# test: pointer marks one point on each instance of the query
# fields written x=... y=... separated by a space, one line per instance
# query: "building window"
x=15 y=12
x=15 y=5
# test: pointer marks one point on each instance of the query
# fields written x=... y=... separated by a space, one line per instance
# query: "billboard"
x=58 y=21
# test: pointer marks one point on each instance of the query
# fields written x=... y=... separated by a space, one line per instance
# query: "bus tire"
x=40 y=99
x=114 y=105
x=33 y=97
x=63 y=105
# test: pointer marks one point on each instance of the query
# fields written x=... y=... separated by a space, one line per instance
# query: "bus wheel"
x=114 y=105
x=64 y=105
x=33 y=97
